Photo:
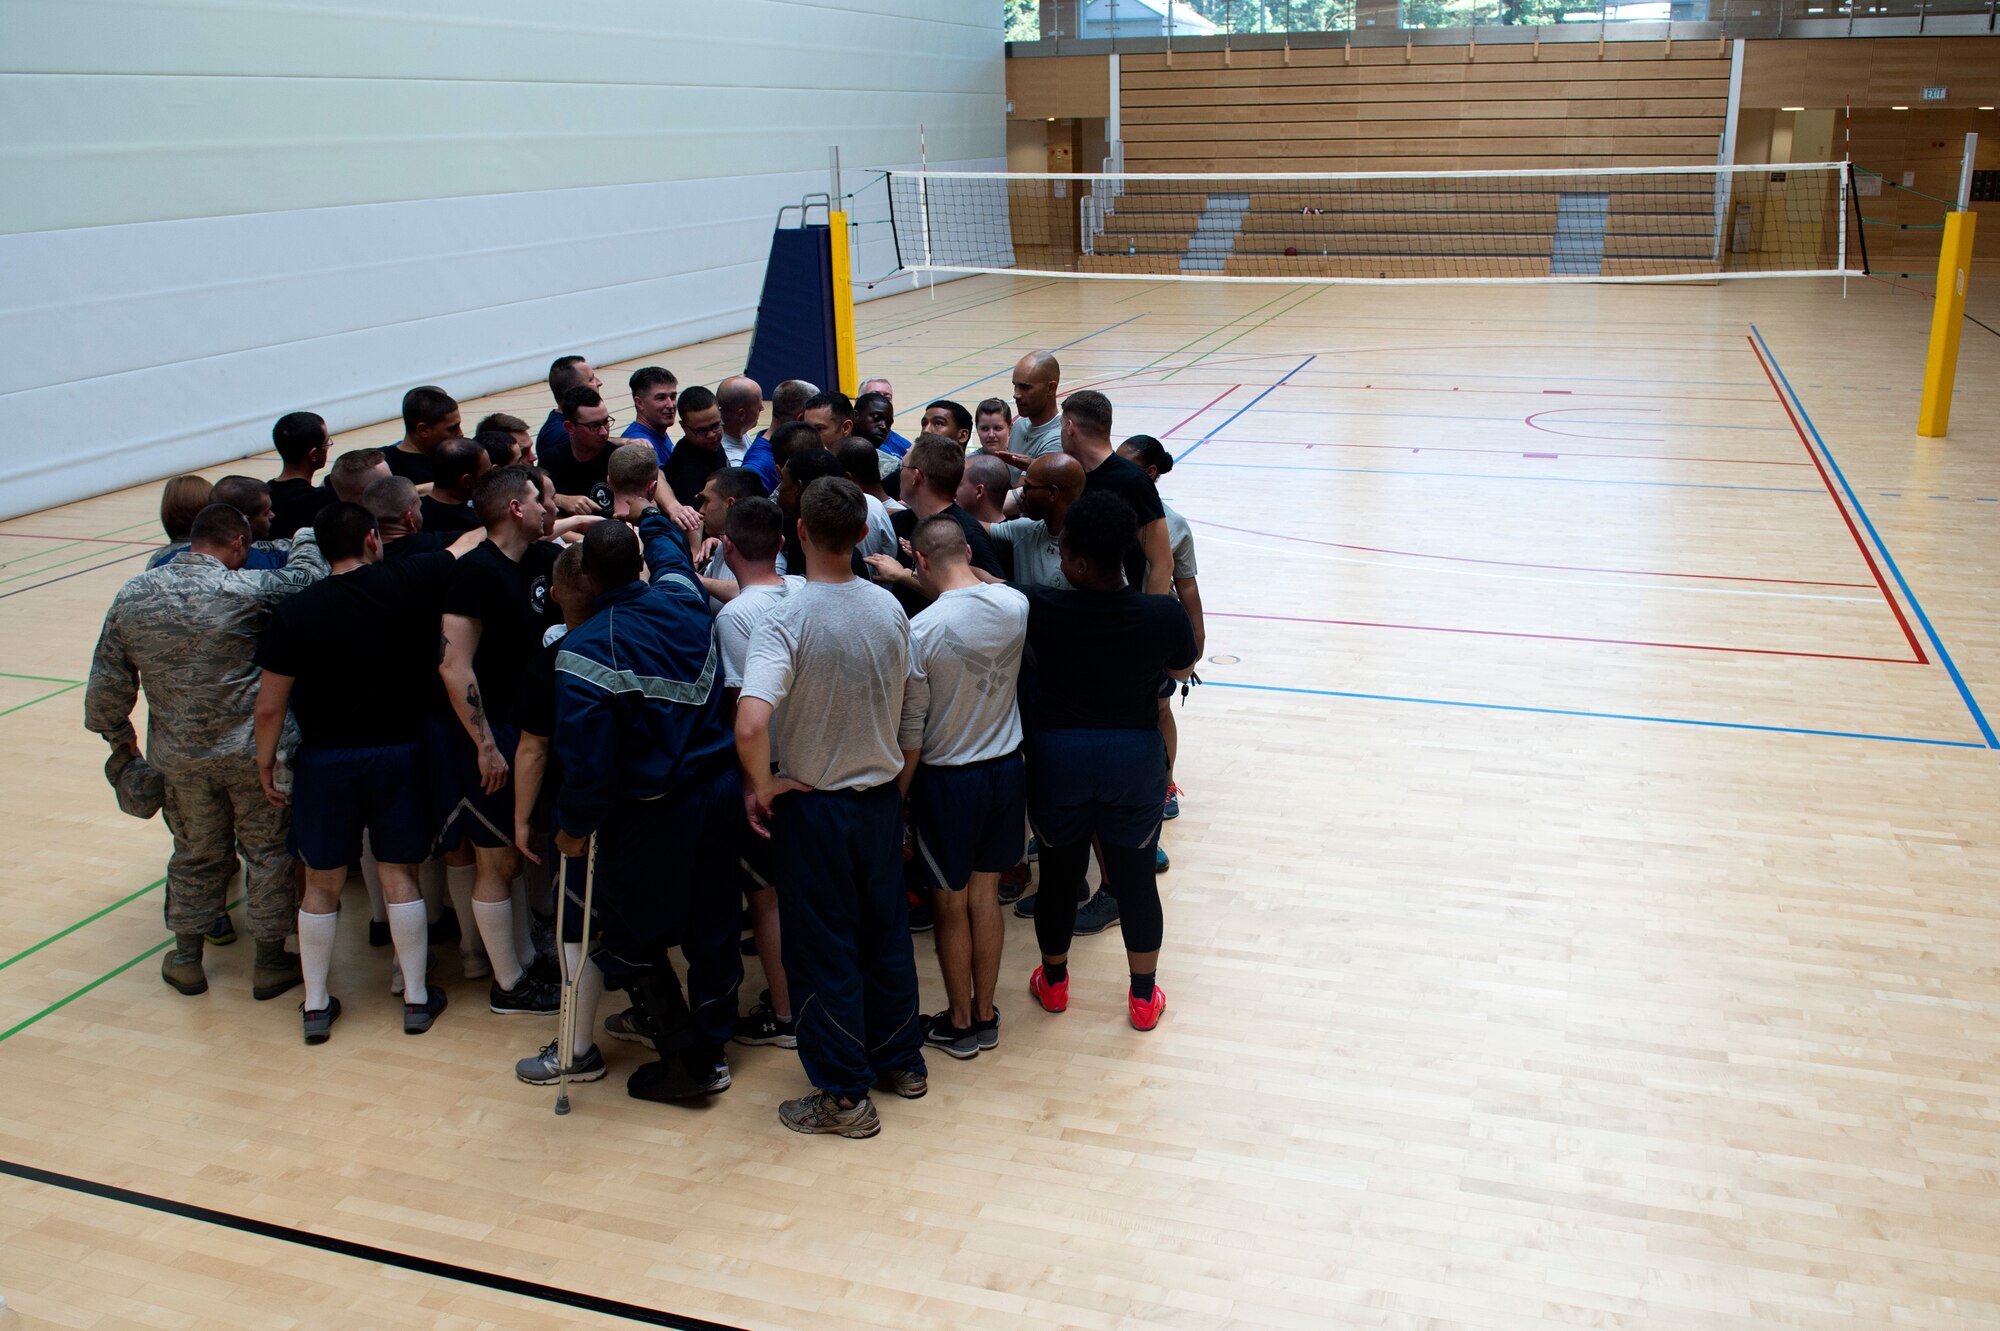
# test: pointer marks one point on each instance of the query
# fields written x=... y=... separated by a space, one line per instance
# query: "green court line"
x=44 y=698
x=65 y=545
x=1005 y=341
x=109 y=975
x=94 y=915
x=1245 y=333
x=41 y=679
x=47 y=568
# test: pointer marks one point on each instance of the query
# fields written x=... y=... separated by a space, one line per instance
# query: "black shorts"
x=1107 y=783
x=460 y=808
x=969 y=819
x=337 y=794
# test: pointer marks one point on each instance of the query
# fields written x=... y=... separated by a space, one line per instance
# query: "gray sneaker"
x=418 y=1017
x=319 y=1021
x=987 y=1032
x=820 y=1112
x=1097 y=914
x=910 y=1084
x=628 y=1025
x=543 y=1069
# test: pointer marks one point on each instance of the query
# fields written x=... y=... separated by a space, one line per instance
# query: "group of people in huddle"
x=817 y=683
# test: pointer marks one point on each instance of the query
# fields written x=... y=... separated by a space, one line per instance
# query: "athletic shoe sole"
x=755 y=1041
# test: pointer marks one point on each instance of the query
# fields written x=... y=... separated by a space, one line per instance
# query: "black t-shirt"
x=377 y=624
x=448 y=519
x=535 y=700
x=1128 y=480
x=417 y=543
x=294 y=504
x=1094 y=659
x=572 y=477
x=904 y=521
x=688 y=468
x=412 y=467
x=514 y=608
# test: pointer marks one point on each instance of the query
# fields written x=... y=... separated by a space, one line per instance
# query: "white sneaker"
x=472 y=961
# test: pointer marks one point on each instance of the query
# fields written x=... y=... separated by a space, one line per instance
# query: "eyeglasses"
x=604 y=424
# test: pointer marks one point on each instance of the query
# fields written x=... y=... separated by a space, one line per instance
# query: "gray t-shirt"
x=1181 y=538
x=1031 y=441
x=1037 y=554
x=968 y=652
x=834 y=659
x=738 y=620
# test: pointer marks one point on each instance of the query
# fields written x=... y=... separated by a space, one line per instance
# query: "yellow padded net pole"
x=843 y=307
x=1947 y=318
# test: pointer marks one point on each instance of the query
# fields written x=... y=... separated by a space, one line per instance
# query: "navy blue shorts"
x=1105 y=783
x=969 y=819
x=337 y=794
x=460 y=809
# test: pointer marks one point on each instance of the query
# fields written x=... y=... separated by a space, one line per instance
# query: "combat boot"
x=181 y=967
x=277 y=970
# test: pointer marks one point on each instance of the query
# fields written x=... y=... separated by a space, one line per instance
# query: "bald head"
x=1051 y=484
x=982 y=491
x=1036 y=376
x=742 y=402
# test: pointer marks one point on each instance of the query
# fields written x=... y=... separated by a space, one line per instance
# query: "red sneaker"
x=1052 y=997
x=1145 y=1012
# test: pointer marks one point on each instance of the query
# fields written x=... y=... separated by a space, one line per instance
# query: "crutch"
x=566 y=1013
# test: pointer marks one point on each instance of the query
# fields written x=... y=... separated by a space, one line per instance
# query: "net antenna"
x=1626 y=225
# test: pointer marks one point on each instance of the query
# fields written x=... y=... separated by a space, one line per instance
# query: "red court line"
x=87 y=540
x=1561 y=637
x=1512 y=563
x=1845 y=516
x=1218 y=397
x=1515 y=452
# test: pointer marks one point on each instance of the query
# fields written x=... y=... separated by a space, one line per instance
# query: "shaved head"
x=1036 y=376
x=1060 y=470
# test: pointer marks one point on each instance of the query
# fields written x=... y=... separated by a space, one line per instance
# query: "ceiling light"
x=1791 y=108
x=1899 y=108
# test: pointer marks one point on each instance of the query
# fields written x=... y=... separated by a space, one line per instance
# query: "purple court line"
x=1515 y=563
x=1563 y=637
x=1504 y=452
x=1595 y=716
x=1245 y=407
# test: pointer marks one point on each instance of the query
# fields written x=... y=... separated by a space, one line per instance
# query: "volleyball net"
x=1655 y=224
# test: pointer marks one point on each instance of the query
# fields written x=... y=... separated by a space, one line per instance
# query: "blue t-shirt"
x=760 y=459
x=895 y=445
x=263 y=555
x=663 y=447
x=554 y=434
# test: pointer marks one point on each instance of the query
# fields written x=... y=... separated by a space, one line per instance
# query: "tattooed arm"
x=458 y=644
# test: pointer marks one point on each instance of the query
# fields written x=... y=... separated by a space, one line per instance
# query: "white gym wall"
x=218 y=211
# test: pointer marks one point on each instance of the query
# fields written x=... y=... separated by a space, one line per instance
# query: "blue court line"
x=1596 y=716
x=1503 y=476
x=1910 y=597
x=1064 y=347
x=1246 y=406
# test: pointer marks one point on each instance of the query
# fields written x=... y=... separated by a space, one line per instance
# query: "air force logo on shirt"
x=538 y=595
x=600 y=495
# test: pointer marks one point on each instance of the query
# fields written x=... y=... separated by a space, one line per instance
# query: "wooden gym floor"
x=1584 y=909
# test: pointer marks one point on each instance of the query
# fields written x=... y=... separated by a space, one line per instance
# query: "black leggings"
x=1133 y=870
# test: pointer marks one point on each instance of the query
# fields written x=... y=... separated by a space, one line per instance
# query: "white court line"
x=1524 y=577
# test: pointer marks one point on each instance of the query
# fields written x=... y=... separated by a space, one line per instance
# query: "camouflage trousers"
x=215 y=808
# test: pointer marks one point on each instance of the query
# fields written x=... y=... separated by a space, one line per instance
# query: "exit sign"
x=1934 y=94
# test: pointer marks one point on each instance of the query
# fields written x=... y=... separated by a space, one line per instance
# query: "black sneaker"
x=922 y=919
x=1096 y=915
x=987 y=1032
x=417 y=1017
x=763 y=1027
x=446 y=929
x=670 y=1080
x=378 y=933
x=530 y=996
x=1025 y=907
x=939 y=1033
x=542 y=929
x=629 y=1025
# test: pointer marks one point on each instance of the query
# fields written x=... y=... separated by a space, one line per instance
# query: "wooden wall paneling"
x=1066 y=87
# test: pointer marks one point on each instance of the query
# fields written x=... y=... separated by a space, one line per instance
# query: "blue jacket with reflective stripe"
x=639 y=690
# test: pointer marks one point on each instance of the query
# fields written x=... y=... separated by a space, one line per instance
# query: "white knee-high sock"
x=316 y=954
x=496 y=926
x=430 y=880
x=589 y=992
x=410 y=930
x=371 y=877
x=458 y=881
x=524 y=934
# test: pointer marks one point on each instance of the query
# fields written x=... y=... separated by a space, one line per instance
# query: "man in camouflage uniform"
x=186 y=631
